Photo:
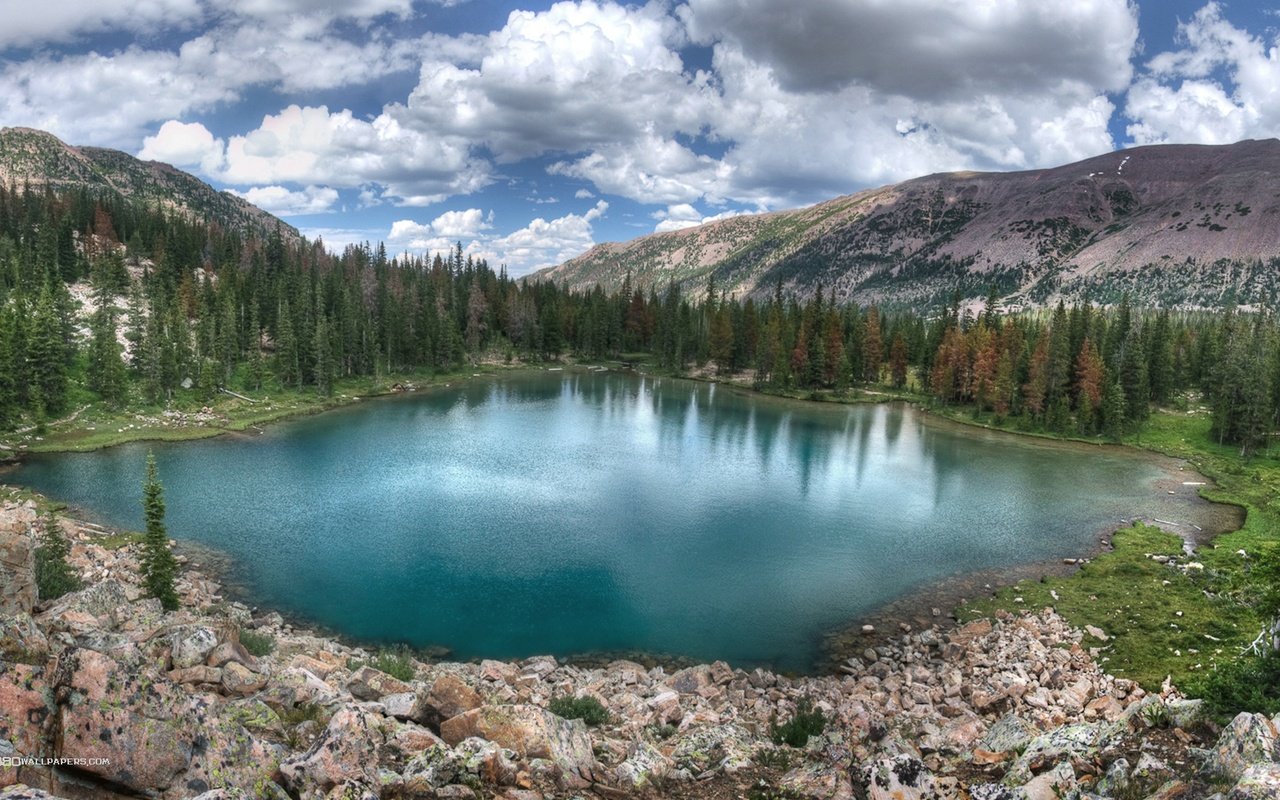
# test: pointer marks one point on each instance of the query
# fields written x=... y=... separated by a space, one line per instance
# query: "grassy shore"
x=1164 y=613
x=95 y=426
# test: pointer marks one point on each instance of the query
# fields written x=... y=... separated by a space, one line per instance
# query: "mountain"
x=39 y=159
x=1190 y=225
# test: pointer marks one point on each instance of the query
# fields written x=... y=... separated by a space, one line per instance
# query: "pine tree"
x=872 y=347
x=1114 y=412
x=54 y=576
x=158 y=563
x=898 y=361
x=106 y=373
x=48 y=366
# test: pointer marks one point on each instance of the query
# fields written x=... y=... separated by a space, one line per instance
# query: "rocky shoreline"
x=105 y=695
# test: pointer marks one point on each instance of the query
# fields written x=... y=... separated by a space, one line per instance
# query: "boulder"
x=370 y=684
x=433 y=768
x=448 y=698
x=21 y=638
x=23 y=712
x=17 y=559
x=1257 y=782
x=190 y=645
x=1056 y=783
x=689 y=681
x=498 y=671
x=130 y=729
x=315 y=666
x=231 y=652
x=229 y=754
x=346 y=751
x=1083 y=740
x=531 y=733
x=902 y=777
x=818 y=780
x=401 y=705
x=715 y=748
x=1006 y=734
x=209 y=676
x=238 y=679
x=666 y=707
x=99 y=606
x=644 y=765
x=1249 y=739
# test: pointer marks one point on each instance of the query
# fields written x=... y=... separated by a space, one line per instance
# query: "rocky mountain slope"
x=39 y=159
x=105 y=695
x=1170 y=224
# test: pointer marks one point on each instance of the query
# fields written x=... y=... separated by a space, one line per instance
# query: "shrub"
x=796 y=731
x=258 y=644
x=587 y=709
x=1251 y=683
x=397 y=662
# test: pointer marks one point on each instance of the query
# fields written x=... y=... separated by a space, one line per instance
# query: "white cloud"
x=1182 y=97
x=114 y=98
x=313 y=145
x=338 y=239
x=448 y=227
x=541 y=243
x=462 y=223
x=281 y=201
x=683 y=215
x=584 y=194
x=649 y=169
x=184 y=145
x=576 y=76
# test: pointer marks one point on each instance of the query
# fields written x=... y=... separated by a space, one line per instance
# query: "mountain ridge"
x=40 y=159
x=1192 y=225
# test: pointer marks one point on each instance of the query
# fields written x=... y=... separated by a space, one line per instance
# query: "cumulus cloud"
x=544 y=243
x=447 y=228
x=650 y=169
x=282 y=201
x=1182 y=96
x=541 y=243
x=184 y=145
x=576 y=76
x=313 y=145
x=113 y=98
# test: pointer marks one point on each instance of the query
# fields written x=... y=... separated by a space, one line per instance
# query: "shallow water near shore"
x=572 y=512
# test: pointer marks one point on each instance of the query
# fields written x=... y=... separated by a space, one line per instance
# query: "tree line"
x=179 y=306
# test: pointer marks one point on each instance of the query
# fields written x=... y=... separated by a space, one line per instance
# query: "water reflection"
x=569 y=512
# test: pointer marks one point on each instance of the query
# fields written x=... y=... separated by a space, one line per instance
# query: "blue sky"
x=530 y=131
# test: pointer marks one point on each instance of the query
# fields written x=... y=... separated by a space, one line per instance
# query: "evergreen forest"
x=133 y=305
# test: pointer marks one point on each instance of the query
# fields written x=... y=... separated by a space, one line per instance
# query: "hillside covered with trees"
x=131 y=305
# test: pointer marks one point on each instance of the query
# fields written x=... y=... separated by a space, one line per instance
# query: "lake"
x=575 y=512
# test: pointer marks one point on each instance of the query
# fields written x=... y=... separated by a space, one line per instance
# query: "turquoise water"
x=567 y=512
